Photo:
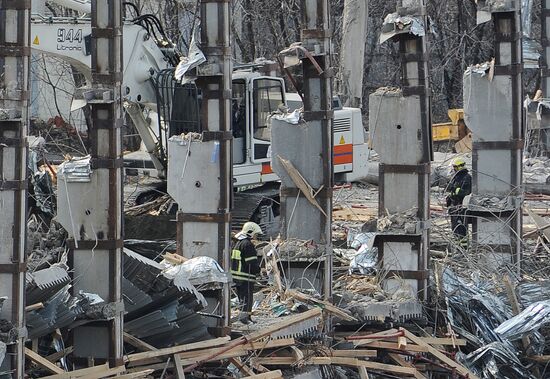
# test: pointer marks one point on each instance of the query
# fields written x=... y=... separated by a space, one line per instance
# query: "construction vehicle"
x=161 y=107
x=452 y=134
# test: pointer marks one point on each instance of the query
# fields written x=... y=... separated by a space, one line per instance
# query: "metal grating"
x=342 y=125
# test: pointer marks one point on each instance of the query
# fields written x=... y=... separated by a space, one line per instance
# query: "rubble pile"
x=536 y=170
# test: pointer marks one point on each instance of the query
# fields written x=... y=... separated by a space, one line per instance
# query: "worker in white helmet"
x=245 y=267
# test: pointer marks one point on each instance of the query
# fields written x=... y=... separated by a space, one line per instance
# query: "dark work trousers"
x=458 y=221
x=245 y=292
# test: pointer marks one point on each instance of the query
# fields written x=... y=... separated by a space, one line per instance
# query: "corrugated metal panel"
x=160 y=312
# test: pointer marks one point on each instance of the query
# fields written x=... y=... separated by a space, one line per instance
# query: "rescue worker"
x=245 y=267
x=459 y=187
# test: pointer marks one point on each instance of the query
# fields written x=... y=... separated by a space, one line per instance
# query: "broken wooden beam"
x=439 y=355
x=43 y=362
x=267 y=375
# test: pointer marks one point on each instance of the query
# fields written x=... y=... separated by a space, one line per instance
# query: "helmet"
x=458 y=164
x=250 y=229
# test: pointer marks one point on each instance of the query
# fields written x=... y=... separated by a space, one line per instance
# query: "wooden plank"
x=354 y=353
x=400 y=360
x=179 y=367
x=34 y=307
x=312 y=313
x=541 y=223
x=401 y=343
x=297 y=353
x=374 y=366
x=137 y=343
x=219 y=354
x=135 y=375
x=60 y=354
x=363 y=374
x=290 y=361
x=233 y=353
x=539 y=358
x=262 y=333
x=389 y=345
x=323 y=304
x=81 y=372
x=444 y=341
x=178 y=349
x=439 y=355
x=241 y=350
x=242 y=367
x=267 y=375
x=43 y=362
x=103 y=374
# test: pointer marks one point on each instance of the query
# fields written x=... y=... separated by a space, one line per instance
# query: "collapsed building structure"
x=173 y=305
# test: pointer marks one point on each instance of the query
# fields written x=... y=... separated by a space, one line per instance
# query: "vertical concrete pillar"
x=400 y=121
x=14 y=95
x=493 y=111
x=310 y=153
x=545 y=75
x=200 y=176
x=352 y=56
x=90 y=193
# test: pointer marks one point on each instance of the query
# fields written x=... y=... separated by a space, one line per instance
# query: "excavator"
x=160 y=106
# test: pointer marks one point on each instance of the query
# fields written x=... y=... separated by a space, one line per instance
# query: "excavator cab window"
x=268 y=95
x=238 y=120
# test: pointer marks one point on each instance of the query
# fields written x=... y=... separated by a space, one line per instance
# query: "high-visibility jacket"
x=244 y=261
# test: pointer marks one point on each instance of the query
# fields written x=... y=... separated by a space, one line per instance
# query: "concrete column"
x=90 y=193
x=400 y=121
x=200 y=176
x=310 y=153
x=352 y=56
x=14 y=94
x=493 y=111
x=545 y=74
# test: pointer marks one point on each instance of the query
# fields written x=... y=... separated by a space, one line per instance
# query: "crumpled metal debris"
x=530 y=319
x=76 y=170
x=293 y=117
x=59 y=311
x=536 y=170
x=474 y=310
x=366 y=258
x=495 y=360
x=199 y=271
x=494 y=203
x=482 y=69
x=193 y=59
x=395 y=24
